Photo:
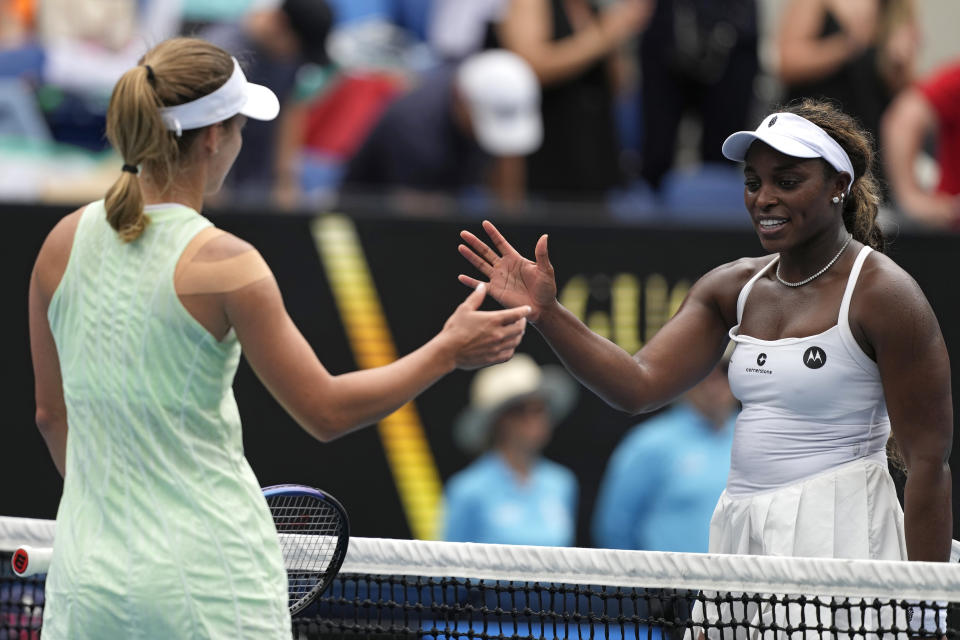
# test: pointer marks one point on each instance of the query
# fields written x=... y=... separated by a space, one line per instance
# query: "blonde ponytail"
x=136 y=131
x=174 y=72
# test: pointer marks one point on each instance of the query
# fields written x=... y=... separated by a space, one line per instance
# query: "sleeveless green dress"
x=162 y=530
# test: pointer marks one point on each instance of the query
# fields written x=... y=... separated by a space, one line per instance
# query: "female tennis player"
x=138 y=310
x=835 y=346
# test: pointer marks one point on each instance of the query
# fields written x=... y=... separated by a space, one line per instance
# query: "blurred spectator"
x=21 y=62
x=700 y=56
x=444 y=135
x=410 y=15
x=858 y=54
x=198 y=13
x=512 y=495
x=377 y=50
x=16 y=22
x=930 y=108
x=272 y=41
x=69 y=53
x=89 y=44
x=458 y=28
x=573 y=50
x=664 y=478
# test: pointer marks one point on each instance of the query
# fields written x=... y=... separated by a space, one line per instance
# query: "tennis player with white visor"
x=836 y=346
x=138 y=310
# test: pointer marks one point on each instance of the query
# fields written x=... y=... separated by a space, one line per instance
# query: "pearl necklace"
x=818 y=273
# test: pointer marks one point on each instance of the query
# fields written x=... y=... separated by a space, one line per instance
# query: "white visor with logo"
x=792 y=135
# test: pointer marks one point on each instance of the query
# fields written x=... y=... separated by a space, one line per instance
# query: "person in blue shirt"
x=664 y=478
x=511 y=494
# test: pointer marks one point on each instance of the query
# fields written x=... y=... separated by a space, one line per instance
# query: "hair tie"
x=131 y=168
x=150 y=77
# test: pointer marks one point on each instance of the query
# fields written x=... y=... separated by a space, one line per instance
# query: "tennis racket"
x=313 y=528
x=314 y=532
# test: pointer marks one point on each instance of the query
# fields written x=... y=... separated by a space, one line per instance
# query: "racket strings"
x=309 y=531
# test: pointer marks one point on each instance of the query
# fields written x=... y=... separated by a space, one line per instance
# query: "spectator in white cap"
x=836 y=349
x=449 y=133
x=511 y=494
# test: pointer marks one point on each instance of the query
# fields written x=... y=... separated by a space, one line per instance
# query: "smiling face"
x=788 y=198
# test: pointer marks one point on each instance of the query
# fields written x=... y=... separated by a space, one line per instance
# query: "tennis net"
x=442 y=590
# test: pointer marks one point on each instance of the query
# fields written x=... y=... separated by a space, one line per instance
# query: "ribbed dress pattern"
x=162 y=531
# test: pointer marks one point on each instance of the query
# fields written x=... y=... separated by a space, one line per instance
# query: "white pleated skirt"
x=848 y=512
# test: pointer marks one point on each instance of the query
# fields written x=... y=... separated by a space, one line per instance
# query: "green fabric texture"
x=162 y=530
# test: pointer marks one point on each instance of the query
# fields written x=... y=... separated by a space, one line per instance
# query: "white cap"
x=495 y=388
x=794 y=136
x=235 y=96
x=503 y=96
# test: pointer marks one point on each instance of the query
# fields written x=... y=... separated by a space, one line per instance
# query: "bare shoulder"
x=217 y=262
x=61 y=236
x=882 y=280
x=740 y=270
x=721 y=285
x=55 y=253
x=732 y=276
x=221 y=245
x=888 y=298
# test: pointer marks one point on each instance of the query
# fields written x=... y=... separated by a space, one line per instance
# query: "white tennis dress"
x=808 y=470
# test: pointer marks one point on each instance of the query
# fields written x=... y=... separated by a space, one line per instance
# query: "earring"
x=836 y=199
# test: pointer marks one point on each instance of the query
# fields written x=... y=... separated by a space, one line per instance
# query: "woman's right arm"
x=329 y=406
x=676 y=358
x=681 y=354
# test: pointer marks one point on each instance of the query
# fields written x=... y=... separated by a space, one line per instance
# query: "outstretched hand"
x=514 y=280
x=479 y=338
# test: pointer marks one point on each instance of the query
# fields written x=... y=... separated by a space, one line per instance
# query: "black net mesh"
x=361 y=605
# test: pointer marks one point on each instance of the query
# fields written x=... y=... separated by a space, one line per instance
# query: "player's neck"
x=186 y=189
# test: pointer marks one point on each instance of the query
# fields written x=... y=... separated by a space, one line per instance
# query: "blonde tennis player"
x=835 y=347
x=138 y=310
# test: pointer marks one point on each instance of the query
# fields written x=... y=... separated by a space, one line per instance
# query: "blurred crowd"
x=609 y=107
x=660 y=485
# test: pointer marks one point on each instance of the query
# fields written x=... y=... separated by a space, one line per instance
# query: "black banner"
x=624 y=281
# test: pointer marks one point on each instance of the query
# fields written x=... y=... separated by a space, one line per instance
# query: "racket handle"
x=29 y=561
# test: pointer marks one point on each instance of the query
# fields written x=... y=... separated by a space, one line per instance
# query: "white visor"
x=794 y=136
x=235 y=96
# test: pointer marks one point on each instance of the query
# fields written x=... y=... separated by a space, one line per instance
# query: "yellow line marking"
x=404 y=441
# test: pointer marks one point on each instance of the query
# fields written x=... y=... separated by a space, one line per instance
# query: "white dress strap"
x=851 y=283
x=742 y=298
x=843 y=320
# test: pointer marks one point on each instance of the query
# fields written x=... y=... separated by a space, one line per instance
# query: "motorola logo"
x=761 y=359
x=814 y=357
x=772 y=122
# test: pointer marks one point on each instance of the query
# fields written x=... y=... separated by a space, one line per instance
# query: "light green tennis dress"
x=162 y=531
